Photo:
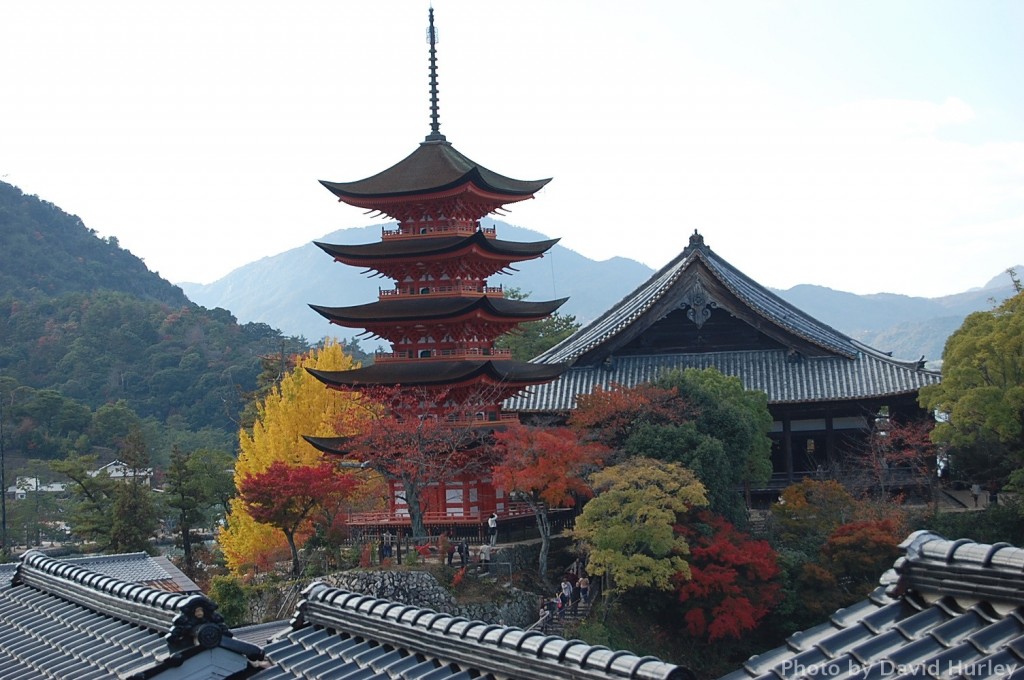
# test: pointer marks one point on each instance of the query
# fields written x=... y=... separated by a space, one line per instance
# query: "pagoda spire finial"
x=435 y=122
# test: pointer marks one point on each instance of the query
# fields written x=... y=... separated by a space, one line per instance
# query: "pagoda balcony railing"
x=465 y=353
x=441 y=291
x=423 y=229
x=514 y=509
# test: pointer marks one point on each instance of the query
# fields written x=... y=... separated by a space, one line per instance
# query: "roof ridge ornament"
x=435 y=122
x=696 y=239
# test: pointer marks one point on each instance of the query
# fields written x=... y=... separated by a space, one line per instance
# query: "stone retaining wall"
x=420 y=588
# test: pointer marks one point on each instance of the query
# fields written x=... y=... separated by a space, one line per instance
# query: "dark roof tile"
x=64 y=620
x=931 y=630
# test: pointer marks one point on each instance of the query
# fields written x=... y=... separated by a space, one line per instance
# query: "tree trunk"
x=540 y=511
x=296 y=569
x=186 y=546
x=412 y=501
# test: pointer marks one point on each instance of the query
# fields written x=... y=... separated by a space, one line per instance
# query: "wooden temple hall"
x=825 y=390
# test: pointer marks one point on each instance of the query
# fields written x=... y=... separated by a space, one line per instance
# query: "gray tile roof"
x=948 y=609
x=758 y=298
x=61 y=620
x=845 y=370
x=339 y=634
x=833 y=378
x=138 y=567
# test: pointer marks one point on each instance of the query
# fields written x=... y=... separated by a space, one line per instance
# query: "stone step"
x=558 y=625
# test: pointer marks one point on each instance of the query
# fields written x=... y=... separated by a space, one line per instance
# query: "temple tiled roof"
x=433 y=167
x=427 y=308
x=759 y=299
x=836 y=368
x=422 y=246
x=948 y=609
x=61 y=620
x=338 y=634
x=869 y=375
x=140 y=567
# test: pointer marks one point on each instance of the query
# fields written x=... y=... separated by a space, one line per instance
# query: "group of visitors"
x=462 y=550
x=574 y=588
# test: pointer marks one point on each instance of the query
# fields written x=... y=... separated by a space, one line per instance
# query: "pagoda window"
x=424 y=354
x=425 y=290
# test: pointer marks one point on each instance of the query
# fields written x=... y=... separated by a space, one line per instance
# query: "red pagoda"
x=441 y=317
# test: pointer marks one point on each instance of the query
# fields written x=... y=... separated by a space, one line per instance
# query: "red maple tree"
x=543 y=467
x=734 y=579
x=420 y=437
x=288 y=497
x=900 y=454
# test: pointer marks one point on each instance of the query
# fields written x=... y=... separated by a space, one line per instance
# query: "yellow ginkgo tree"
x=299 y=405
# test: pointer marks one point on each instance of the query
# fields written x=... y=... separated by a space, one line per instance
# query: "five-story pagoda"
x=442 y=318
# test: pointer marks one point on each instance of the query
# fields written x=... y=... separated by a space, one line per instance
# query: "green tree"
x=981 y=397
x=91 y=498
x=196 y=483
x=534 y=337
x=118 y=515
x=702 y=419
x=135 y=516
x=628 y=528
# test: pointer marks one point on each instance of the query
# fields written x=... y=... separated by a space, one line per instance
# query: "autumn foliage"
x=612 y=414
x=415 y=439
x=734 y=579
x=290 y=497
x=859 y=552
x=545 y=468
x=544 y=465
x=299 y=405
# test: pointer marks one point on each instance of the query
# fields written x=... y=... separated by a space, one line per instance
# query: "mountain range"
x=278 y=289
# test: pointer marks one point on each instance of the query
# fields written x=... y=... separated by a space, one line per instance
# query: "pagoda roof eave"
x=433 y=167
x=441 y=373
x=438 y=309
x=435 y=245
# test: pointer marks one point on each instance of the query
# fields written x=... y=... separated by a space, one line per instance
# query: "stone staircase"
x=559 y=624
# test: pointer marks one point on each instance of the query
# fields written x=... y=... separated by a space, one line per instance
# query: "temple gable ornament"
x=698 y=304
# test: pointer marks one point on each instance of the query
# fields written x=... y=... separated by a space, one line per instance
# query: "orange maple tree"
x=858 y=552
x=544 y=467
x=613 y=413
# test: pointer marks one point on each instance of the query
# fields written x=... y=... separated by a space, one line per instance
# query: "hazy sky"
x=867 y=146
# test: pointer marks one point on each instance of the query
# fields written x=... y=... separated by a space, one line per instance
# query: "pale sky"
x=869 y=146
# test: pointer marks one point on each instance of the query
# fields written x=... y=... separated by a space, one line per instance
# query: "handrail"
x=439 y=291
x=425 y=229
x=409 y=355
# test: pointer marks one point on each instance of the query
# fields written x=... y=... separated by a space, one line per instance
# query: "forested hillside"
x=46 y=252
x=89 y=336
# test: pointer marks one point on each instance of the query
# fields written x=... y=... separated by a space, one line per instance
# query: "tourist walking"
x=485 y=558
